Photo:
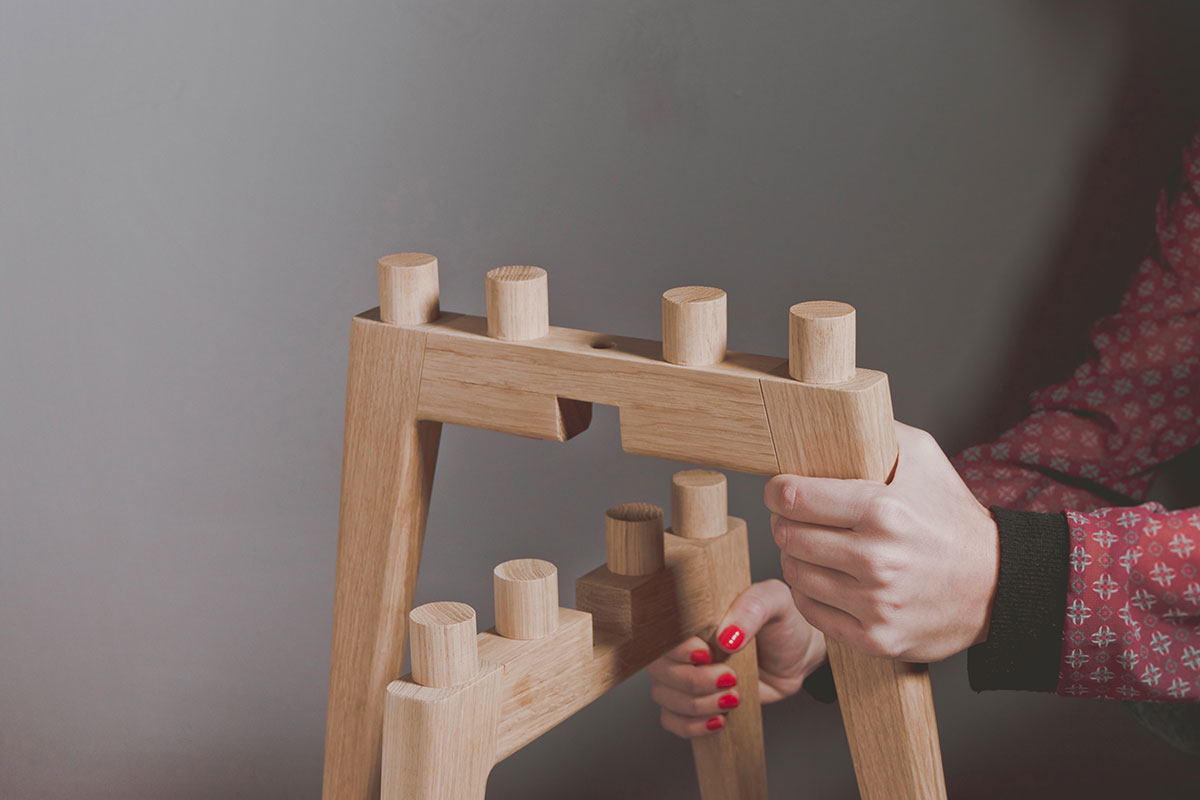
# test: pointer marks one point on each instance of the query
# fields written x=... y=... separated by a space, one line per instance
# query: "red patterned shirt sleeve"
x=1096 y=439
x=1132 y=617
x=1133 y=605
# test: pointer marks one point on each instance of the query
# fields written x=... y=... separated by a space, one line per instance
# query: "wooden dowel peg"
x=444 y=652
x=634 y=538
x=821 y=342
x=518 y=307
x=526 y=598
x=408 y=288
x=699 y=504
x=694 y=325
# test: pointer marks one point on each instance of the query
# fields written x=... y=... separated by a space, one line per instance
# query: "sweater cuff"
x=1023 y=649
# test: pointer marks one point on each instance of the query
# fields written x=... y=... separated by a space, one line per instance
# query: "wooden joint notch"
x=731 y=414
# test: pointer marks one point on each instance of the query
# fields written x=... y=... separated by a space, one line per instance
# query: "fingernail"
x=732 y=638
x=727 y=701
x=715 y=724
x=701 y=657
x=727 y=680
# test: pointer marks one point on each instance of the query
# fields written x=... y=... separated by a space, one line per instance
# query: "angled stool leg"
x=887 y=706
x=387 y=475
x=439 y=732
x=730 y=764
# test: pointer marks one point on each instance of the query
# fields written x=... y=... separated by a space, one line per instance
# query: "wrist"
x=990 y=572
x=815 y=655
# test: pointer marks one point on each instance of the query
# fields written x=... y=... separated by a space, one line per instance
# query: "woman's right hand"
x=696 y=694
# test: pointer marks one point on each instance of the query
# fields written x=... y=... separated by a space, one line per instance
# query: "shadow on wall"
x=1106 y=237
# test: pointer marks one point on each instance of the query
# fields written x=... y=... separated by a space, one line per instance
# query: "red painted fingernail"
x=701 y=657
x=732 y=638
x=728 y=701
x=727 y=680
x=715 y=724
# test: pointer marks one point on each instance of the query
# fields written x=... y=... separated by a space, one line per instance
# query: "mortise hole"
x=602 y=345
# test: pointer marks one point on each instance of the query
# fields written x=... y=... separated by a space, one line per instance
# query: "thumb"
x=758 y=605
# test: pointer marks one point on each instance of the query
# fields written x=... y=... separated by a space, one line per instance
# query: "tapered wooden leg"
x=731 y=764
x=887 y=706
x=440 y=744
x=387 y=476
x=439 y=729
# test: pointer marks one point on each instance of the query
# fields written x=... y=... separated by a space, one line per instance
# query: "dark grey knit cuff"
x=1024 y=641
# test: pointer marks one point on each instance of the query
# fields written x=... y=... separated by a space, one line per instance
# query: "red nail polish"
x=728 y=701
x=726 y=680
x=701 y=657
x=715 y=724
x=732 y=638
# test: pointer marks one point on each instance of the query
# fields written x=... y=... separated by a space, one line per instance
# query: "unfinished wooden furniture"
x=687 y=399
x=472 y=701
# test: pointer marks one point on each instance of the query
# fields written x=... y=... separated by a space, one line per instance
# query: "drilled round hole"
x=602 y=345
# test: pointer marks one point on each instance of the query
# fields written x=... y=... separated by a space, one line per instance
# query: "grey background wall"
x=192 y=199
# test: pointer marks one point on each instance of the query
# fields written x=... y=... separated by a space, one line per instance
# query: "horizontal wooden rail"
x=713 y=414
x=623 y=623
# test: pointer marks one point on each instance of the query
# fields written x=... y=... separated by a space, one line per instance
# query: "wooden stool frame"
x=411 y=369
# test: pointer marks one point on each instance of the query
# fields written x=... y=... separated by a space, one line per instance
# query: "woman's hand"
x=902 y=570
x=696 y=694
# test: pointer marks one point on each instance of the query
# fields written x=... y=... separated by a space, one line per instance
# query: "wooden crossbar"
x=716 y=415
x=622 y=624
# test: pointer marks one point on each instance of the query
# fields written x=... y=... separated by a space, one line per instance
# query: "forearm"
x=1102 y=604
x=1096 y=439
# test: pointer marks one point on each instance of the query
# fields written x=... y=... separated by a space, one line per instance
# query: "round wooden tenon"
x=444 y=652
x=526 y=598
x=408 y=288
x=694 y=325
x=633 y=534
x=821 y=342
x=699 y=504
x=518 y=307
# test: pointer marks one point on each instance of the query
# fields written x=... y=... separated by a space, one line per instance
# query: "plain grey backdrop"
x=192 y=200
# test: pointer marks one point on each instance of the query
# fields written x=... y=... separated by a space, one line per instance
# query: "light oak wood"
x=693 y=325
x=408 y=288
x=731 y=763
x=633 y=536
x=887 y=706
x=821 y=341
x=528 y=414
x=744 y=413
x=676 y=601
x=440 y=743
x=527 y=687
x=443 y=644
x=842 y=431
x=541 y=687
x=710 y=416
x=526 y=592
x=387 y=475
x=699 y=503
x=518 y=307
